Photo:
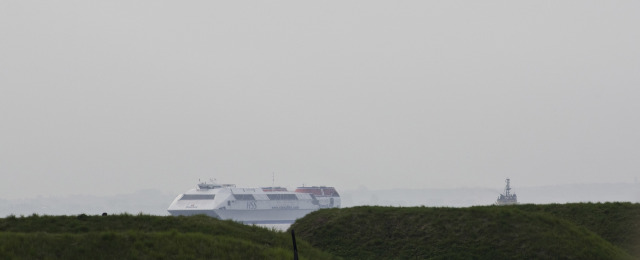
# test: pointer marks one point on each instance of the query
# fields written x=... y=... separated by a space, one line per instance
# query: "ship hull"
x=279 y=216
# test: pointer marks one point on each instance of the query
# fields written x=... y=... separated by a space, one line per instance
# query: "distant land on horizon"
x=155 y=202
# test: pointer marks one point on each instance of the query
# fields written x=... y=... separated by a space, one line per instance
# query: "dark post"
x=295 y=248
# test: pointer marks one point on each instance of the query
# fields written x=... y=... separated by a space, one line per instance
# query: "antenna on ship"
x=507 y=189
x=273 y=180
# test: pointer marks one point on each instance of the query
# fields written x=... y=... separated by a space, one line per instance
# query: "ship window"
x=198 y=197
x=244 y=196
x=282 y=196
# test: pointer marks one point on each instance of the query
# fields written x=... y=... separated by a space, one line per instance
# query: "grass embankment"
x=489 y=232
x=616 y=222
x=143 y=237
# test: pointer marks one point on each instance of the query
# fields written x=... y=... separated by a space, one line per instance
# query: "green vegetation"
x=555 y=231
x=616 y=222
x=143 y=237
x=488 y=232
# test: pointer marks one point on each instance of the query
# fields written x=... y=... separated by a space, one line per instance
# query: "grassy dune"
x=492 y=232
x=616 y=222
x=556 y=231
x=143 y=237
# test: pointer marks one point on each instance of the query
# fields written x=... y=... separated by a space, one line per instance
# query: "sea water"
x=278 y=227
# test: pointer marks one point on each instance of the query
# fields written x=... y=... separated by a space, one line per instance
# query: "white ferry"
x=267 y=205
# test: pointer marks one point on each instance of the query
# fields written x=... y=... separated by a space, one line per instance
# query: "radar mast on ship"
x=507 y=198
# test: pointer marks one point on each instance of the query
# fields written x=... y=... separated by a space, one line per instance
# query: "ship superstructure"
x=507 y=198
x=266 y=205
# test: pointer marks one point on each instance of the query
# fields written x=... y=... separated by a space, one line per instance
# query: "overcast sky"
x=111 y=97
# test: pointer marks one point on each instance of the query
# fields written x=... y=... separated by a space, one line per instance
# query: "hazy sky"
x=109 y=97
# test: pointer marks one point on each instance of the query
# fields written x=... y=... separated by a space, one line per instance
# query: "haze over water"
x=108 y=98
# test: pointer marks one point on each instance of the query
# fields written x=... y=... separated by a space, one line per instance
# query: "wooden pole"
x=295 y=247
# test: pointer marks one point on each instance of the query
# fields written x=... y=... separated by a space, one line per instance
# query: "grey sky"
x=108 y=97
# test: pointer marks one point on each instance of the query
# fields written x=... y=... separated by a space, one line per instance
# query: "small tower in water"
x=507 y=198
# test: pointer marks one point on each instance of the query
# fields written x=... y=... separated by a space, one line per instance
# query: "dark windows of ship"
x=282 y=196
x=198 y=197
x=244 y=196
x=319 y=191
